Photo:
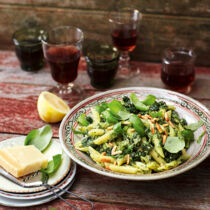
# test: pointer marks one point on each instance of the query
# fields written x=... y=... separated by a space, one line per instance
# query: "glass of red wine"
x=124 y=32
x=178 y=72
x=62 y=51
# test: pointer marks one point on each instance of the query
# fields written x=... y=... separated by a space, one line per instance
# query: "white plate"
x=53 y=149
x=45 y=193
x=187 y=107
x=34 y=202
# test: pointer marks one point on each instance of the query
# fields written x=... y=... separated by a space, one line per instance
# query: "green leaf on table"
x=174 y=144
x=118 y=110
x=200 y=137
x=40 y=138
x=149 y=100
x=194 y=126
x=137 y=103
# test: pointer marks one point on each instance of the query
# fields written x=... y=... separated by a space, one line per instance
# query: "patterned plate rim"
x=178 y=170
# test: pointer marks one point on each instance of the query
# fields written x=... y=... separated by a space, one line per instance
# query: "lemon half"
x=51 y=108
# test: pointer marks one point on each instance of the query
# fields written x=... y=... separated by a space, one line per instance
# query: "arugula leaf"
x=194 y=126
x=174 y=144
x=40 y=138
x=149 y=100
x=137 y=103
x=200 y=137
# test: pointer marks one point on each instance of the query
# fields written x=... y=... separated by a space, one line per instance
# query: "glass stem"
x=124 y=60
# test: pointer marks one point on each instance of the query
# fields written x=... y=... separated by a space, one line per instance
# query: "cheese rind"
x=22 y=160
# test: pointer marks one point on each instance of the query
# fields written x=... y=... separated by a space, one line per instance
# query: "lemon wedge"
x=51 y=108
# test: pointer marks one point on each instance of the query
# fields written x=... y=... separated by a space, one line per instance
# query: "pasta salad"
x=135 y=137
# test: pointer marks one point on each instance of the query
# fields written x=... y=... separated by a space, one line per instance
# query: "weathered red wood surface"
x=19 y=91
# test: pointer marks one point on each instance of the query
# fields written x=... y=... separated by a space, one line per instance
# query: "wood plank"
x=174 y=7
x=157 y=32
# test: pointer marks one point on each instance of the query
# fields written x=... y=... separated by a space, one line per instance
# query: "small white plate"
x=45 y=193
x=53 y=149
x=31 y=202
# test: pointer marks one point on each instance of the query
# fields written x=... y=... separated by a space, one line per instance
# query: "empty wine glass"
x=62 y=50
x=124 y=32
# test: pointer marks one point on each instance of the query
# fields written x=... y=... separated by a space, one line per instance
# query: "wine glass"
x=124 y=31
x=62 y=51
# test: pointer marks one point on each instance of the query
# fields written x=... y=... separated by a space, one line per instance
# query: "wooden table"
x=19 y=91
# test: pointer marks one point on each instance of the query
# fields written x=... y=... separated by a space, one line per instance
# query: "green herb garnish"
x=40 y=138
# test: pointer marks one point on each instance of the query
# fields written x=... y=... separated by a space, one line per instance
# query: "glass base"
x=70 y=93
x=127 y=72
x=183 y=90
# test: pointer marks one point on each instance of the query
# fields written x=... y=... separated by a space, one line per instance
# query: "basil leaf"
x=174 y=144
x=102 y=107
x=53 y=164
x=118 y=110
x=109 y=117
x=82 y=120
x=149 y=100
x=40 y=138
x=137 y=124
x=200 y=137
x=117 y=128
x=137 y=103
x=194 y=126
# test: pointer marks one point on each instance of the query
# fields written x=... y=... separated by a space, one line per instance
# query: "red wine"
x=178 y=73
x=63 y=63
x=124 y=40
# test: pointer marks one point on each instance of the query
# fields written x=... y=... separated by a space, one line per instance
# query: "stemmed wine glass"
x=124 y=31
x=62 y=51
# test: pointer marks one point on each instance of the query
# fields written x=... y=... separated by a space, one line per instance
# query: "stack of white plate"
x=16 y=196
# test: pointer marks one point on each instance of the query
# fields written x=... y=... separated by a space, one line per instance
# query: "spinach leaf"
x=149 y=100
x=137 y=103
x=100 y=108
x=200 y=137
x=137 y=124
x=109 y=117
x=118 y=110
x=174 y=144
x=53 y=165
x=78 y=132
x=194 y=126
x=40 y=138
x=117 y=128
x=82 y=120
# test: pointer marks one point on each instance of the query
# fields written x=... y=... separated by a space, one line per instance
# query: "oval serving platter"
x=187 y=107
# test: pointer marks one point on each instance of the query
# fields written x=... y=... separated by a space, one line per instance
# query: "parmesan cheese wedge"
x=22 y=160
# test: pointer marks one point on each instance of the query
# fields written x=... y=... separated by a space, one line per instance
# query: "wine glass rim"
x=181 y=50
x=112 y=14
x=46 y=42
